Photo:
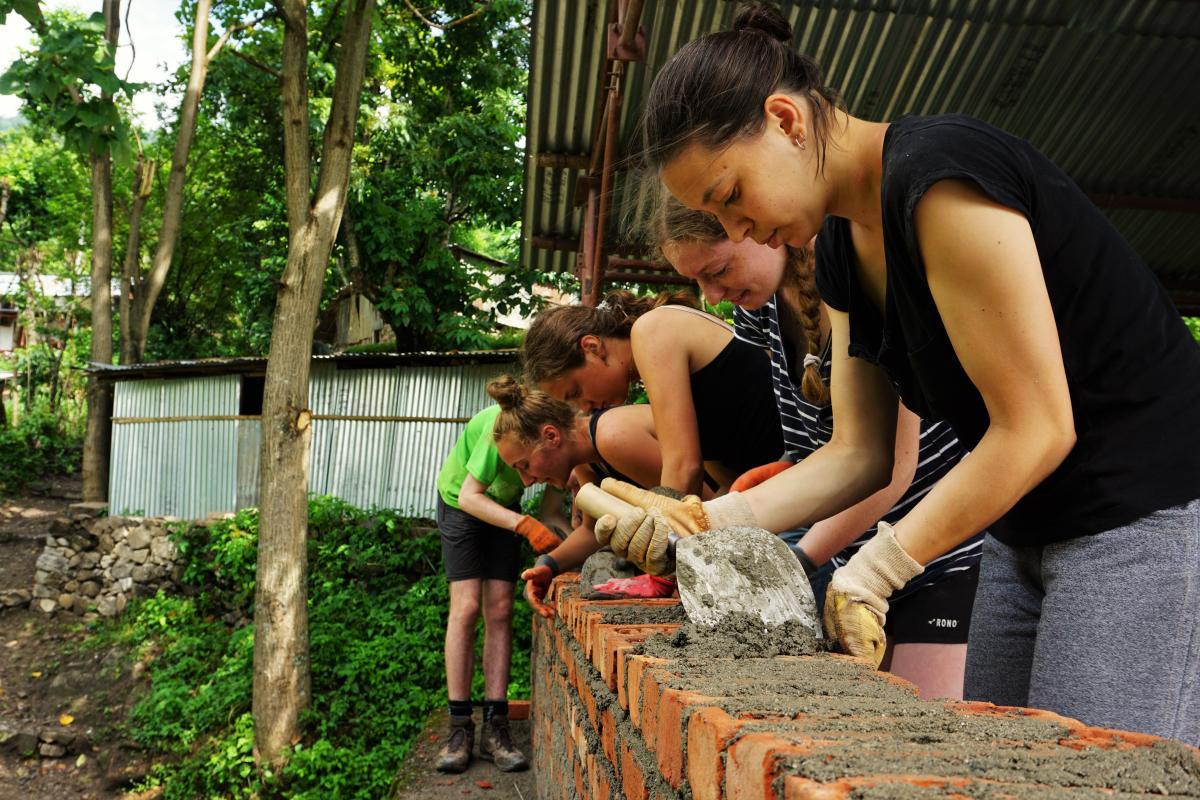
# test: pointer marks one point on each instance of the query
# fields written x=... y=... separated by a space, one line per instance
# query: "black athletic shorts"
x=472 y=548
x=937 y=614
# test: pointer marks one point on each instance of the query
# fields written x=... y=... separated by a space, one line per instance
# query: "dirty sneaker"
x=455 y=756
x=496 y=745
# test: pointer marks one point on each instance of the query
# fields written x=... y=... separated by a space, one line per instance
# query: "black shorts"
x=472 y=548
x=937 y=614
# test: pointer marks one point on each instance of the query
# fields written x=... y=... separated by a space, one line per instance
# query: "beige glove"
x=640 y=536
x=856 y=600
x=690 y=515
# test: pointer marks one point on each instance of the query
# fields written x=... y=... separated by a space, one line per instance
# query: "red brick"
x=635 y=669
x=752 y=763
x=608 y=734
x=612 y=638
x=710 y=730
x=651 y=689
x=633 y=781
x=672 y=711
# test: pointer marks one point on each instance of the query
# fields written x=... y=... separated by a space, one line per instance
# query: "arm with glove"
x=473 y=499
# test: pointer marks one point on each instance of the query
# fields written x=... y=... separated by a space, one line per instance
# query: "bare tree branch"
x=274 y=73
x=232 y=29
x=450 y=24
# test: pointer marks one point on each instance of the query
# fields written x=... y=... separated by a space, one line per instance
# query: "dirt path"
x=420 y=781
x=55 y=696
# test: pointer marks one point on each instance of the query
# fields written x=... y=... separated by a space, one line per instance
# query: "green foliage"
x=1193 y=324
x=69 y=80
x=41 y=444
x=374 y=682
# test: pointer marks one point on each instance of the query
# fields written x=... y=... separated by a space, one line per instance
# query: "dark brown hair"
x=551 y=345
x=674 y=222
x=524 y=410
x=713 y=90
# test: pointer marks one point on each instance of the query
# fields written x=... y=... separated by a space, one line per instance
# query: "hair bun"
x=507 y=391
x=765 y=19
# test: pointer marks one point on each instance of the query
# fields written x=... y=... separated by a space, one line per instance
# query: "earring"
x=799 y=142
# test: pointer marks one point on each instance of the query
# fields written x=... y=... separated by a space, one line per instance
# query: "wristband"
x=805 y=561
x=547 y=560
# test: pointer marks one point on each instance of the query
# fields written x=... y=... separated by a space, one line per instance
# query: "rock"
x=52 y=751
x=66 y=600
x=24 y=743
x=61 y=541
x=122 y=550
x=107 y=560
x=105 y=543
x=89 y=588
x=90 y=559
x=61 y=526
x=45 y=605
x=122 y=601
x=40 y=589
x=80 y=606
x=140 y=556
x=140 y=574
x=75 y=561
x=138 y=538
x=106 y=607
x=122 y=570
x=87 y=510
x=65 y=738
x=163 y=549
x=71 y=586
x=52 y=562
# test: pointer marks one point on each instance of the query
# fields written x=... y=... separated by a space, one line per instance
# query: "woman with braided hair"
x=778 y=309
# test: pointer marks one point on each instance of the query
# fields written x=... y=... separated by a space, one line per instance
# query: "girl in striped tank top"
x=778 y=309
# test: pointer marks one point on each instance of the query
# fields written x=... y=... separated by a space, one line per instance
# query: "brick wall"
x=609 y=724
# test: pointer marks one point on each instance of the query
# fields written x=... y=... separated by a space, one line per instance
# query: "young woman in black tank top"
x=710 y=393
x=969 y=275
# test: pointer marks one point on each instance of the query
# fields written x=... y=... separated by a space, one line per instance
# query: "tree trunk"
x=281 y=667
x=173 y=202
x=98 y=436
x=131 y=283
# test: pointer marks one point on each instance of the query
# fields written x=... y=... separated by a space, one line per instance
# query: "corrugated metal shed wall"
x=183 y=468
x=191 y=468
x=1108 y=89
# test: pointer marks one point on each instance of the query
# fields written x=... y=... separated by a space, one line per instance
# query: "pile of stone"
x=96 y=565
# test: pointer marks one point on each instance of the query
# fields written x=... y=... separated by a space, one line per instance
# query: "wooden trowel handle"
x=596 y=502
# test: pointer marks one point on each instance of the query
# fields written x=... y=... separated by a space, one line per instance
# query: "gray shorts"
x=1103 y=628
x=472 y=548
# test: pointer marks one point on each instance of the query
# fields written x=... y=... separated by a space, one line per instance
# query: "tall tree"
x=281 y=668
x=54 y=82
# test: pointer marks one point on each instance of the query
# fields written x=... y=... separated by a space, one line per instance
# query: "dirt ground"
x=419 y=780
x=50 y=685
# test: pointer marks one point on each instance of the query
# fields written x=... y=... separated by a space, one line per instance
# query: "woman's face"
x=745 y=273
x=762 y=186
x=543 y=461
x=599 y=382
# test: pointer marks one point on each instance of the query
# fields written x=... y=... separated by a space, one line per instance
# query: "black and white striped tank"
x=807 y=426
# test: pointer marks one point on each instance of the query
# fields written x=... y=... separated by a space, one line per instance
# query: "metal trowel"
x=730 y=570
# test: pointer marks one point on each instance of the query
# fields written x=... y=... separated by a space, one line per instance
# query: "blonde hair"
x=551 y=345
x=524 y=410
x=673 y=222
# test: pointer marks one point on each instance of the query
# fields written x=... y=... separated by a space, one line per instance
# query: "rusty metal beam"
x=562 y=160
x=553 y=243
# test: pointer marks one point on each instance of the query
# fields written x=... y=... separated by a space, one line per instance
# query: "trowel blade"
x=743 y=569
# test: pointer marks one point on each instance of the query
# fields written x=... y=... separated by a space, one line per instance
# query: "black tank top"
x=603 y=469
x=736 y=414
x=1132 y=368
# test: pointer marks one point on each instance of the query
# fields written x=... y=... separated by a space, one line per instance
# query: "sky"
x=157 y=48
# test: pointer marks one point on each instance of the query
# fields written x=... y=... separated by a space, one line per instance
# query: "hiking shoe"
x=496 y=745
x=455 y=756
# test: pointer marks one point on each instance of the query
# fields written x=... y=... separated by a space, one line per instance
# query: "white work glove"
x=856 y=601
x=641 y=534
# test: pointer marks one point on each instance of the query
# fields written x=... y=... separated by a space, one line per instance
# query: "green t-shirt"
x=475 y=453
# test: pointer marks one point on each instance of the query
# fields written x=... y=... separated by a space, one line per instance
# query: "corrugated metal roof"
x=1109 y=89
x=257 y=364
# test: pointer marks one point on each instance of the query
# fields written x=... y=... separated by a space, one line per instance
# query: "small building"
x=186 y=434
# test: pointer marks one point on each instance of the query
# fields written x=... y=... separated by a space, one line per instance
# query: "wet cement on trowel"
x=737 y=635
x=894 y=732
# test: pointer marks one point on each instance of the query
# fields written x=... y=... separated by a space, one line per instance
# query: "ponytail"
x=523 y=410
x=551 y=345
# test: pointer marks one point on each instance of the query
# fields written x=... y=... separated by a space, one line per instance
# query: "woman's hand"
x=537 y=583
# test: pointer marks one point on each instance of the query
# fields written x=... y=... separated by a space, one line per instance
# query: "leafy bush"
x=41 y=444
x=374 y=682
x=1193 y=324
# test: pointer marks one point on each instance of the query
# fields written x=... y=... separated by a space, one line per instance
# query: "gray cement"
x=737 y=635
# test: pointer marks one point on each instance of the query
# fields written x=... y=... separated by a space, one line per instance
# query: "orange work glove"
x=537 y=583
x=755 y=476
x=541 y=537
